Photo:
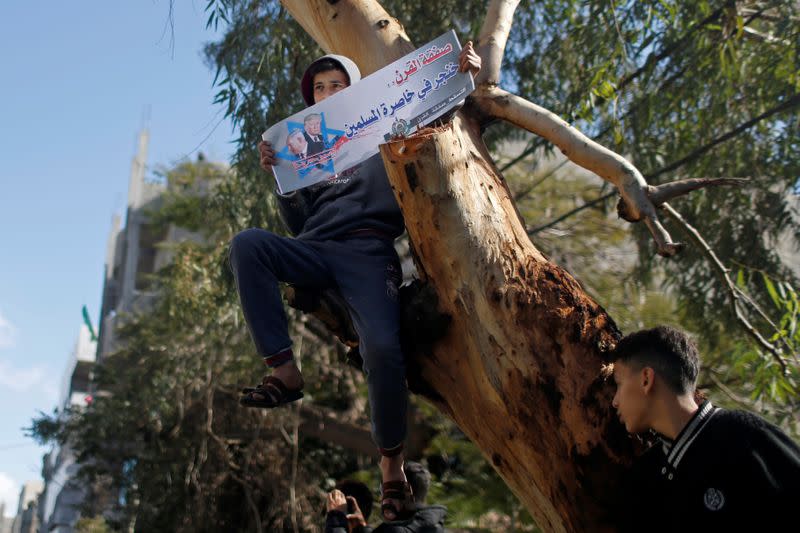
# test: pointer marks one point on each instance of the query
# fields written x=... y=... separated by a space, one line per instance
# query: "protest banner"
x=346 y=128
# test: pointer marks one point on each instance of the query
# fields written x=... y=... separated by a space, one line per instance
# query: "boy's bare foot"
x=290 y=375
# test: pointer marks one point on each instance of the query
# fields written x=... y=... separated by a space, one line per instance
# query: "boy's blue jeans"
x=366 y=270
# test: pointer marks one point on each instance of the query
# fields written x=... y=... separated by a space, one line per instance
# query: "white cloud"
x=9 y=493
x=8 y=333
x=20 y=379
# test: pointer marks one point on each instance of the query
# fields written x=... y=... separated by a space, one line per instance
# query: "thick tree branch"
x=492 y=41
x=657 y=194
x=466 y=228
x=665 y=192
x=585 y=152
x=533 y=146
x=349 y=27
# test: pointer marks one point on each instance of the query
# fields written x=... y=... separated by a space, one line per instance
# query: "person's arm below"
x=336 y=519
x=336 y=522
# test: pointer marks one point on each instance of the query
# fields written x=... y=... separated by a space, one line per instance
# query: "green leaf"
x=773 y=294
x=740 y=278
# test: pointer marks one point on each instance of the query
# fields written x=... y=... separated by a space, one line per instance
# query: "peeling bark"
x=520 y=367
x=361 y=30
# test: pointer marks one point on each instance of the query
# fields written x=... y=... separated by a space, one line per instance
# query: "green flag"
x=88 y=322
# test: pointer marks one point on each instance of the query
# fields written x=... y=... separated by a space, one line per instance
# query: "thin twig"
x=768 y=320
x=522 y=194
x=619 y=31
x=568 y=214
x=669 y=49
x=248 y=460
x=728 y=392
x=789 y=103
x=722 y=272
x=296 y=448
x=532 y=146
x=252 y=504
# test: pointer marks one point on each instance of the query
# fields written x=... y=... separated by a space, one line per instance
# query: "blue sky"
x=77 y=78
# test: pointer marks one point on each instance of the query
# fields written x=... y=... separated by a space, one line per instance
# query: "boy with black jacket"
x=711 y=469
x=344 y=238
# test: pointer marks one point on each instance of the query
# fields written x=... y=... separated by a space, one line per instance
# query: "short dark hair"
x=419 y=478
x=668 y=351
x=324 y=65
x=360 y=492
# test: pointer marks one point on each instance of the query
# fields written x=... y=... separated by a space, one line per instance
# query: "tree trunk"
x=520 y=367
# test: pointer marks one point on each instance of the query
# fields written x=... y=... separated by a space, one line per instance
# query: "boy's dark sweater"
x=737 y=472
x=356 y=200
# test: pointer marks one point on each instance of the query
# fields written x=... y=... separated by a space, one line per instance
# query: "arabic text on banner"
x=346 y=128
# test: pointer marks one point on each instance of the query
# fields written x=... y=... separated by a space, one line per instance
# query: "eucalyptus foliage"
x=684 y=89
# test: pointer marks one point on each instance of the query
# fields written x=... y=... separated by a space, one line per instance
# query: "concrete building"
x=26 y=520
x=133 y=254
x=5 y=522
x=63 y=493
x=130 y=253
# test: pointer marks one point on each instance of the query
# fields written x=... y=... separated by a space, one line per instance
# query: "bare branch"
x=764 y=37
x=722 y=272
x=585 y=152
x=791 y=102
x=742 y=402
x=675 y=46
x=533 y=146
x=762 y=14
x=587 y=205
x=525 y=192
x=667 y=191
x=492 y=40
x=658 y=195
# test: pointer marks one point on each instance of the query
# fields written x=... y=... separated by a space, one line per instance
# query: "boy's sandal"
x=400 y=491
x=271 y=393
x=248 y=390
